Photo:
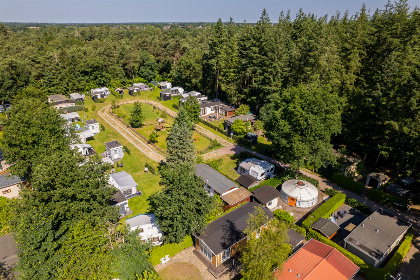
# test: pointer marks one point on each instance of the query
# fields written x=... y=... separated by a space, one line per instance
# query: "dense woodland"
x=367 y=65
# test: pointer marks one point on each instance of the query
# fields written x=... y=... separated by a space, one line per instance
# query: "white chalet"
x=259 y=169
x=149 y=229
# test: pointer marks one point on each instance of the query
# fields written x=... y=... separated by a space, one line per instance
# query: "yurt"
x=299 y=193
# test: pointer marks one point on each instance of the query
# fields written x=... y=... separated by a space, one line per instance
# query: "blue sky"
x=107 y=11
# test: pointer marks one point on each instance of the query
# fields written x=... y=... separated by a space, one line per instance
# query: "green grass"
x=170 y=249
x=228 y=166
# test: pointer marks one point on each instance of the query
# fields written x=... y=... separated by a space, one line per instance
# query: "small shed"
x=247 y=181
x=166 y=95
x=114 y=150
x=295 y=239
x=93 y=125
x=235 y=197
x=299 y=193
x=326 y=227
x=379 y=179
x=267 y=196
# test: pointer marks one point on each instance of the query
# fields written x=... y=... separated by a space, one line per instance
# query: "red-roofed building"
x=317 y=261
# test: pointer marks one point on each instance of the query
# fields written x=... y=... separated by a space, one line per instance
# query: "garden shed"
x=299 y=193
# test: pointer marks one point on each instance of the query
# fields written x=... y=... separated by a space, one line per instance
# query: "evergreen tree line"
x=367 y=62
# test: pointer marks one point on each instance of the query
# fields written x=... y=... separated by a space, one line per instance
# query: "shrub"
x=171 y=249
x=5 y=215
x=126 y=149
x=200 y=160
x=348 y=183
x=151 y=168
x=175 y=106
x=214 y=144
x=325 y=210
x=284 y=216
x=86 y=109
x=102 y=127
x=153 y=137
x=221 y=126
x=386 y=199
x=93 y=107
x=215 y=164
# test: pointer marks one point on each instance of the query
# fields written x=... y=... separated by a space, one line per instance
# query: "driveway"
x=8 y=256
x=410 y=267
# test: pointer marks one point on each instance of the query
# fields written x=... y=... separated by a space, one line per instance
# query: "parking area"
x=347 y=219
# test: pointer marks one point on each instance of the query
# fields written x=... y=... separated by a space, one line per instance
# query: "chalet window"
x=226 y=254
x=115 y=152
x=155 y=239
x=269 y=203
x=7 y=191
x=205 y=250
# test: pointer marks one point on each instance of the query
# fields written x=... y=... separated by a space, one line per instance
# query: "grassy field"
x=151 y=115
x=180 y=271
x=228 y=166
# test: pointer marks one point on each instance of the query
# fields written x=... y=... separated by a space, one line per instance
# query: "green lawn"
x=151 y=115
x=229 y=165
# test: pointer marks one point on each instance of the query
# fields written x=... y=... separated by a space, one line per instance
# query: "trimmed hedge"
x=347 y=183
x=351 y=202
x=151 y=168
x=171 y=249
x=325 y=210
x=385 y=198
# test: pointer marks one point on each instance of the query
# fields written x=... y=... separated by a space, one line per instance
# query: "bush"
x=153 y=137
x=102 y=127
x=325 y=210
x=215 y=164
x=351 y=202
x=175 y=106
x=285 y=216
x=126 y=149
x=86 y=109
x=221 y=126
x=151 y=168
x=348 y=183
x=5 y=215
x=93 y=107
x=171 y=249
x=200 y=160
x=214 y=144
x=386 y=199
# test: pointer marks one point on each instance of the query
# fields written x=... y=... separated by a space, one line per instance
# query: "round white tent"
x=299 y=193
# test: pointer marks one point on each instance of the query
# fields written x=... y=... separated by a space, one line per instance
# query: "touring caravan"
x=258 y=169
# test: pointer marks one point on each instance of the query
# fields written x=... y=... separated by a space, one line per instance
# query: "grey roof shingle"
x=141 y=219
x=113 y=144
x=123 y=179
x=294 y=237
x=91 y=121
x=248 y=181
x=213 y=178
x=265 y=194
x=229 y=229
x=325 y=226
x=8 y=180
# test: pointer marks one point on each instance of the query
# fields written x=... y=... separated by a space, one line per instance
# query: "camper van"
x=258 y=169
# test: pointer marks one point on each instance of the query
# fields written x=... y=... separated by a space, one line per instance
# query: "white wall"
x=11 y=191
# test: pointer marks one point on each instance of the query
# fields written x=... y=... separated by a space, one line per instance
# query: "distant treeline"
x=372 y=61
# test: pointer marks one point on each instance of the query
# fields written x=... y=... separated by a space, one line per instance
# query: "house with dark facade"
x=376 y=237
x=219 y=241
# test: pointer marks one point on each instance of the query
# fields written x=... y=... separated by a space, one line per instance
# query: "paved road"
x=8 y=255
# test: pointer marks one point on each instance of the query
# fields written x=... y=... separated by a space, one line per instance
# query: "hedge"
x=151 y=168
x=325 y=210
x=385 y=198
x=351 y=202
x=170 y=249
x=347 y=183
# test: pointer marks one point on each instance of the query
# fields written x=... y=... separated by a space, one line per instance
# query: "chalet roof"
x=248 y=181
x=140 y=220
x=377 y=233
x=397 y=189
x=314 y=261
x=294 y=237
x=244 y=118
x=234 y=196
x=76 y=96
x=117 y=198
x=229 y=229
x=8 y=180
x=70 y=116
x=325 y=226
x=113 y=144
x=214 y=179
x=57 y=97
x=210 y=104
x=91 y=121
x=265 y=194
x=123 y=180
x=380 y=177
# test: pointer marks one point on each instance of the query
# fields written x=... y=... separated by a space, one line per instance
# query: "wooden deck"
x=221 y=269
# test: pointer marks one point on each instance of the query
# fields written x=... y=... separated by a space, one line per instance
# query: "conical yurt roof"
x=301 y=190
